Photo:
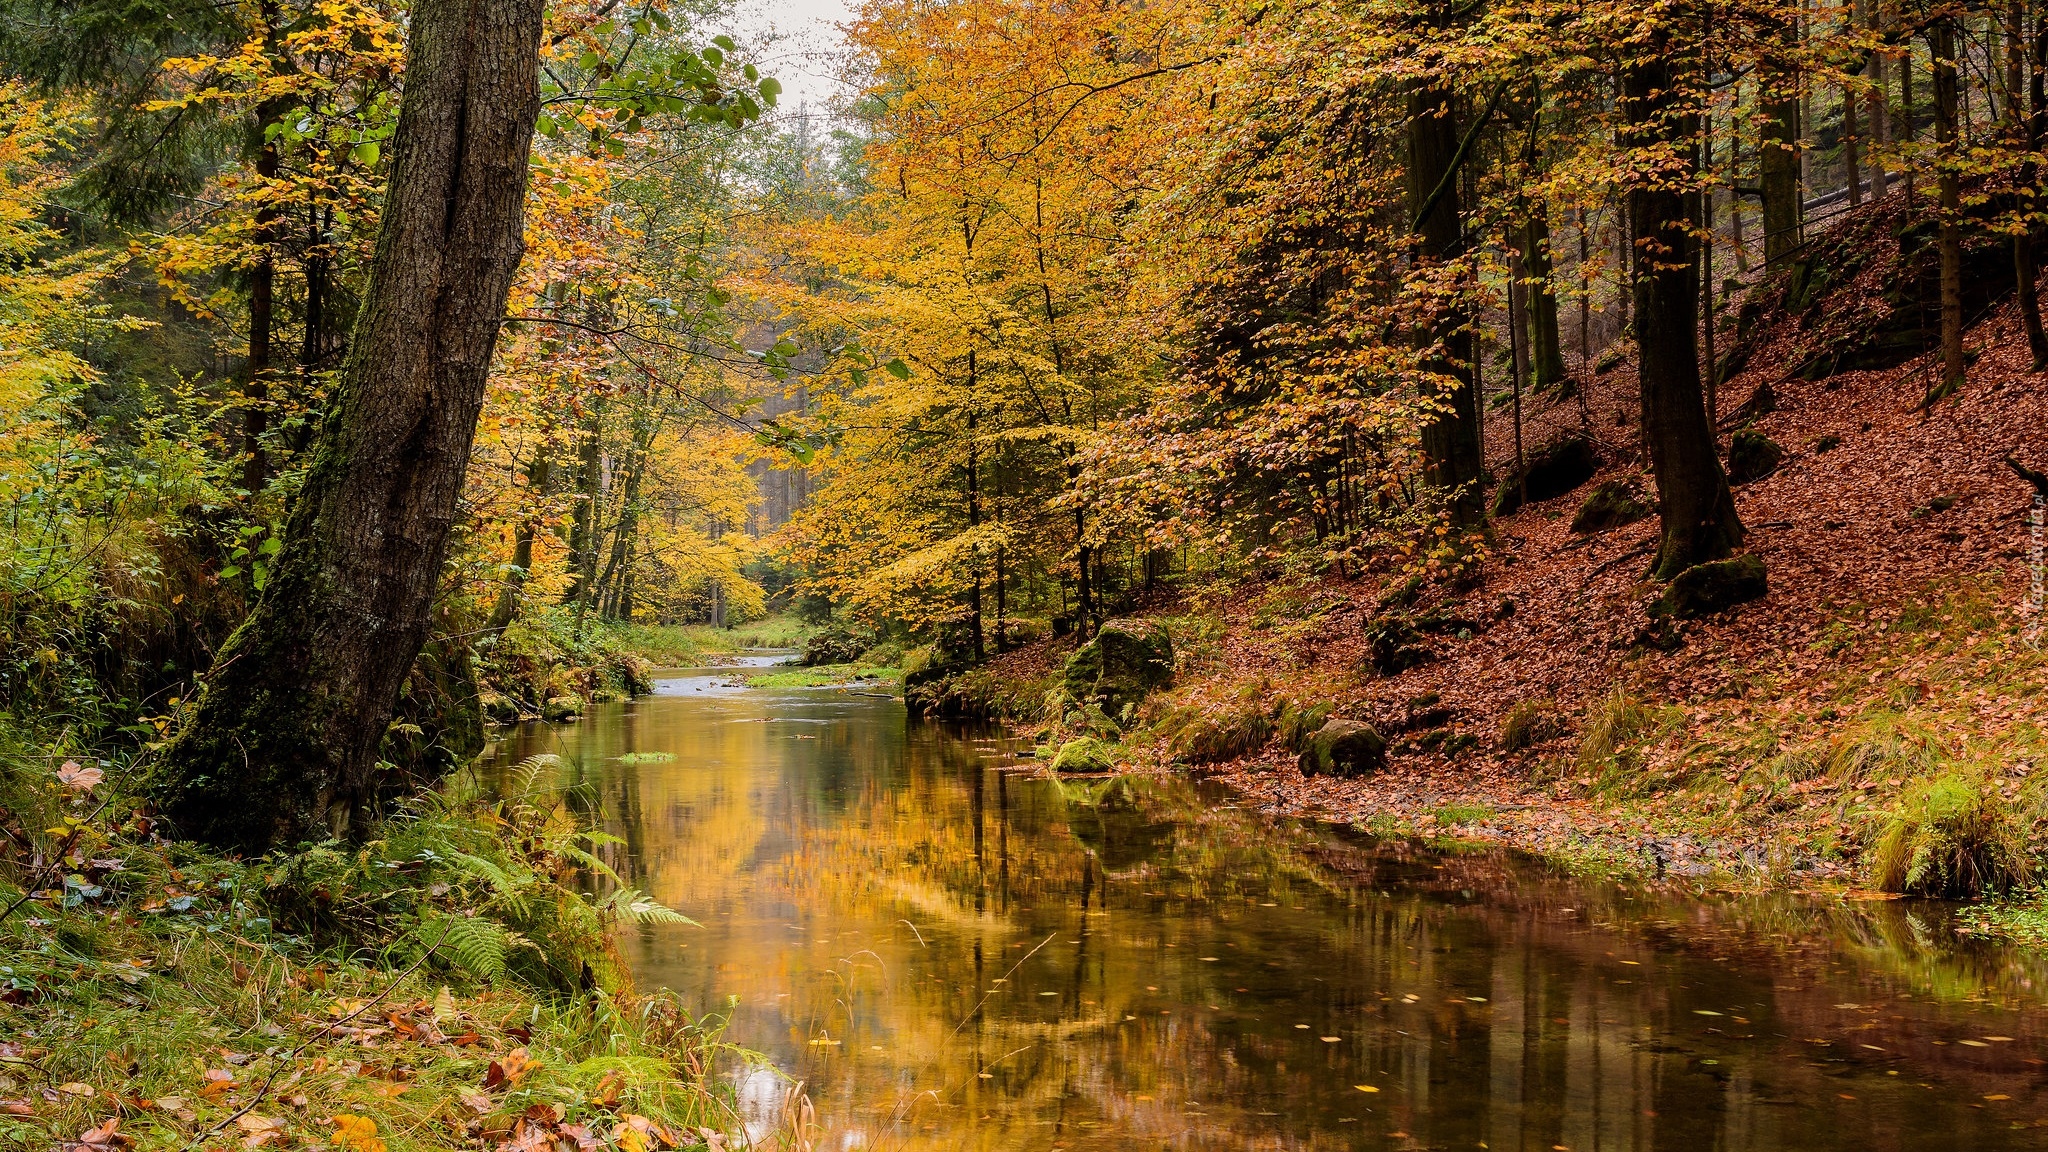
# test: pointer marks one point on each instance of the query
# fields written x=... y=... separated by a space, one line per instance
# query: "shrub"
x=1952 y=836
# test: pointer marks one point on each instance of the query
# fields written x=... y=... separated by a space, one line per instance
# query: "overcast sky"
x=808 y=42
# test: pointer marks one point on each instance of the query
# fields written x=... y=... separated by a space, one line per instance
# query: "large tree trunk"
x=283 y=744
x=1941 y=42
x=1778 y=168
x=1450 y=441
x=1696 y=509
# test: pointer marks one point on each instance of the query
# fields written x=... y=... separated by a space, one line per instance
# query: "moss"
x=1343 y=748
x=1611 y=505
x=1121 y=665
x=1086 y=754
x=1712 y=587
x=1752 y=456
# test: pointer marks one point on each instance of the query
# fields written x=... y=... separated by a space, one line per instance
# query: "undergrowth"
x=451 y=984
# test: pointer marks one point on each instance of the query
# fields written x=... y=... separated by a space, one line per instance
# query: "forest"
x=1613 y=432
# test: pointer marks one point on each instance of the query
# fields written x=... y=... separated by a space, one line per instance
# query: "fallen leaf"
x=75 y=1089
x=1365 y=1087
x=356 y=1133
x=79 y=779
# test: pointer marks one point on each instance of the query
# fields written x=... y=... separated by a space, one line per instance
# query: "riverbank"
x=1873 y=720
x=450 y=984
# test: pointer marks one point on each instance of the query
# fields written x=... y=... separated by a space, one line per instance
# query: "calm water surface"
x=951 y=952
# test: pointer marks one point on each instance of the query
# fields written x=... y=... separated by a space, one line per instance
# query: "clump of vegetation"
x=1531 y=722
x=1952 y=836
x=1209 y=731
x=1086 y=754
x=1457 y=815
x=450 y=983
x=1885 y=745
x=1296 y=722
x=1616 y=728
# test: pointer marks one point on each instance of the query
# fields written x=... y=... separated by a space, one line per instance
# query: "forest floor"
x=1898 y=648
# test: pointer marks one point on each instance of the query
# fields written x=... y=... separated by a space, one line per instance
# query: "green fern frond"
x=472 y=943
x=633 y=906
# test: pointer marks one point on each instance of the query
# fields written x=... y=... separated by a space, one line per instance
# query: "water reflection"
x=954 y=954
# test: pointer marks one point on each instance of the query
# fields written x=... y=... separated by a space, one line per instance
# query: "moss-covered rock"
x=1752 y=456
x=1125 y=661
x=1344 y=748
x=561 y=709
x=1551 y=471
x=1712 y=587
x=1086 y=754
x=1611 y=505
x=1393 y=644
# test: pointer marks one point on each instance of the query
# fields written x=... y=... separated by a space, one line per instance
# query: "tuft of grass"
x=1885 y=744
x=1952 y=836
x=1530 y=723
x=1457 y=815
x=1212 y=732
x=1617 y=725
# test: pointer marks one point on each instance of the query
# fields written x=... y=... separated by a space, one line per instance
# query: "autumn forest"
x=1604 y=434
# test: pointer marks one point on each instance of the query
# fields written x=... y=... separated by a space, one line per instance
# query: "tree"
x=283 y=742
x=1696 y=509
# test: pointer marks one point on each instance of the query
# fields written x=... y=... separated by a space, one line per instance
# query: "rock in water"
x=1752 y=456
x=1711 y=587
x=1126 y=660
x=1344 y=748
x=1611 y=505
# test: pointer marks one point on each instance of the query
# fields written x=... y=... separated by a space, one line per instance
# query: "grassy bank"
x=449 y=985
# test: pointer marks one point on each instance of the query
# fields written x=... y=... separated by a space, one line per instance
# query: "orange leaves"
x=356 y=1134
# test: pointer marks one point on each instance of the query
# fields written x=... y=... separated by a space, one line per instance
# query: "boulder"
x=1551 y=471
x=561 y=709
x=1086 y=754
x=1126 y=660
x=1344 y=748
x=1752 y=456
x=1611 y=505
x=1711 y=587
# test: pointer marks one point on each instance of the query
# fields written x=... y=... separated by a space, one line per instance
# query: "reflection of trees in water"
x=885 y=884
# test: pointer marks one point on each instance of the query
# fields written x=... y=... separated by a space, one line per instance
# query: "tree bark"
x=2030 y=126
x=1450 y=441
x=1697 y=511
x=1778 y=169
x=283 y=743
x=1546 y=348
x=1941 y=43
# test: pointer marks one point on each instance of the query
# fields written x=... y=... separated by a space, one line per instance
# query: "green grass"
x=828 y=676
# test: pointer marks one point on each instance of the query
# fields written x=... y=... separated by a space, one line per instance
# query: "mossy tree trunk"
x=1546 y=349
x=1778 y=161
x=1698 y=512
x=283 y=744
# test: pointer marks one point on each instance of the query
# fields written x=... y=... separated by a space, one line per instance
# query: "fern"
x=633 y=906
x=474 y=944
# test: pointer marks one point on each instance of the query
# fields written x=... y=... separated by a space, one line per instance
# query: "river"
x=950 y=951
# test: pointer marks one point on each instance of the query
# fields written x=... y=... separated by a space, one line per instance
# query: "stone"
x=1551 y=471
x=1086 y=754
x=1752 y=456
x=1611 y=505
x=561 y=709
x=1125 y=661
x=1344 y=748
x=1712 y=587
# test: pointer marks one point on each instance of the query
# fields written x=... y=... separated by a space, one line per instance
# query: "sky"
x=808 y=41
